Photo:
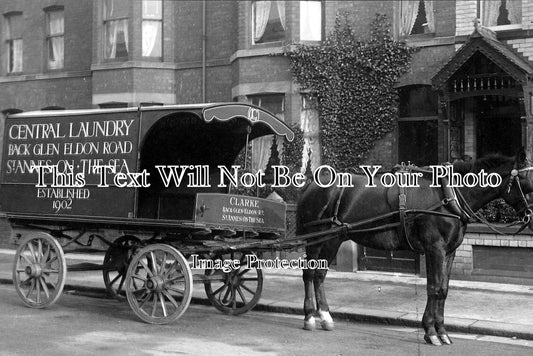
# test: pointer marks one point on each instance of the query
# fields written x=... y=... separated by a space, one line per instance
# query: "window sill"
x=505 y=27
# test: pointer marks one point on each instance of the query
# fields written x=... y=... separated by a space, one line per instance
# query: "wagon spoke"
x=175 y=279
x=233 y=298
x=249 y=279
x=170 y=269
x=171 y=299
x=247 y=289
x=39 y=250
x=38 y=291
x=242 y=295
x=163 y=264
x=121 y=283
x=52 y=260
x=24 y=282
x=244 y=271
x=138 y=277
x=145 y=299
x=114 y=279
x=146 y=268
x=45 y=288
x=154 y=305
x=32 y=287
x=163 y=306
x=50 y=271
x=179 y=291
x=47 y=253
x=225 y=299
x=26 y=259
x=219 y=289
x=154 y=263
x=32 y=252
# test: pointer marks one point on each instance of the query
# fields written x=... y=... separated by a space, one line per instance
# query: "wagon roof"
x=209 y=112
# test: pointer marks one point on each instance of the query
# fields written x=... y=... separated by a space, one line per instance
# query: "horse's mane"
x=488 y=163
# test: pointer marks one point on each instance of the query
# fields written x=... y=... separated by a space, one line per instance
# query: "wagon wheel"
x=159 y=284
x=116 y=260
x=237 y=291
x=39 y=271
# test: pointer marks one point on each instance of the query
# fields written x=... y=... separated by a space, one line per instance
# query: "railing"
x=482 y=83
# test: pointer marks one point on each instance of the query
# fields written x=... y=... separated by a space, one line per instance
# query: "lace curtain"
x=56 y=41
x=116 y=28
x=151 y=28
x=409 y=11
x=491 y=12
x=262 y=10
x=310 y=20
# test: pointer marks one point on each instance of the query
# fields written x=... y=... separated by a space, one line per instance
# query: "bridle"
x=528 y=212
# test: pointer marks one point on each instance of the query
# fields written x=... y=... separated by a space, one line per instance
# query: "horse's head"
x=517 y=183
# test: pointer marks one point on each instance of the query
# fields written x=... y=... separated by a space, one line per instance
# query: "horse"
x=434 y=224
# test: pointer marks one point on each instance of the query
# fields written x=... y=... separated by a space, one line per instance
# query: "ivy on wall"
x=353 y=80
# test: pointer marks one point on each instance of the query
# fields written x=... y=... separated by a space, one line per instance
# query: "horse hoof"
x=309 y=325
x=433 y=340
x=327 y=325
x=445 y=339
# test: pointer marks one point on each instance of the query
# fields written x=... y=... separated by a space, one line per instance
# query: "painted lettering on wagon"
x=60 y=157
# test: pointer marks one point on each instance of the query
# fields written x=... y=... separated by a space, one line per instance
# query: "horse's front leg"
x=435 y=258
x=439 y=317
x=321 y=302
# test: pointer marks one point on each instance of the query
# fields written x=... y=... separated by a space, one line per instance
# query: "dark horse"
x=436 y=236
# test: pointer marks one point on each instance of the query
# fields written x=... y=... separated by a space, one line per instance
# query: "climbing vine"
x=353 y=81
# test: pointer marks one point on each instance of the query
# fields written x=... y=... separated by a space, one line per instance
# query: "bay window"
x=500 y=12
x=416 y=17
x=310 y=20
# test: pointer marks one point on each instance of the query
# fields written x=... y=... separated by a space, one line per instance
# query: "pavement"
x=394 y=299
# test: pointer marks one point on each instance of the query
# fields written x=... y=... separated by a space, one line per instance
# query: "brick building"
x=116 y=53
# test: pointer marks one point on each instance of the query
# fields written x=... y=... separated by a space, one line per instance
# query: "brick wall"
x=463 y=266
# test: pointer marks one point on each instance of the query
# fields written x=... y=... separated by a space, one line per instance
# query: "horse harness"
x=453 y=201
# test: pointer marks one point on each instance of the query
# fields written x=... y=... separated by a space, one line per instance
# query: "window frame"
x=150 y=19
x=514 y=26
x=105 y=22
x=321 y=21
x=9 y=40
x=252 y=22
x=49 y=36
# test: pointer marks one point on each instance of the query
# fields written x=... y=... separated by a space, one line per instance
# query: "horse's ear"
x=521 y=157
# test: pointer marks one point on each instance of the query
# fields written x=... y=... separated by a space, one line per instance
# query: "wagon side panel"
x=72 y=147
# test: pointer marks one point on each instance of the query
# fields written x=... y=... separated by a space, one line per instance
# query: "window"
x=500 y=12
x=416 y=17
x=268 y=21
x=14 y=42
x=263 y=147
x=55 y=38
x=116 y=29
x=151 y=28
x=310 y=20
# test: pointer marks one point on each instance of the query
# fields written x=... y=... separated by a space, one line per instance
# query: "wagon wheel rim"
x=237 y=291
x=159 y=284
x=39 y=271
x=114 y=274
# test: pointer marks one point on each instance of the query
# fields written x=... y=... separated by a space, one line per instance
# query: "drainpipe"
x=204 y=39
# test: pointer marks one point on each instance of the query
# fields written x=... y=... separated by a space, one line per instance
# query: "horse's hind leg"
x=309 y=303
x=438 y=269
x=327 y=253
